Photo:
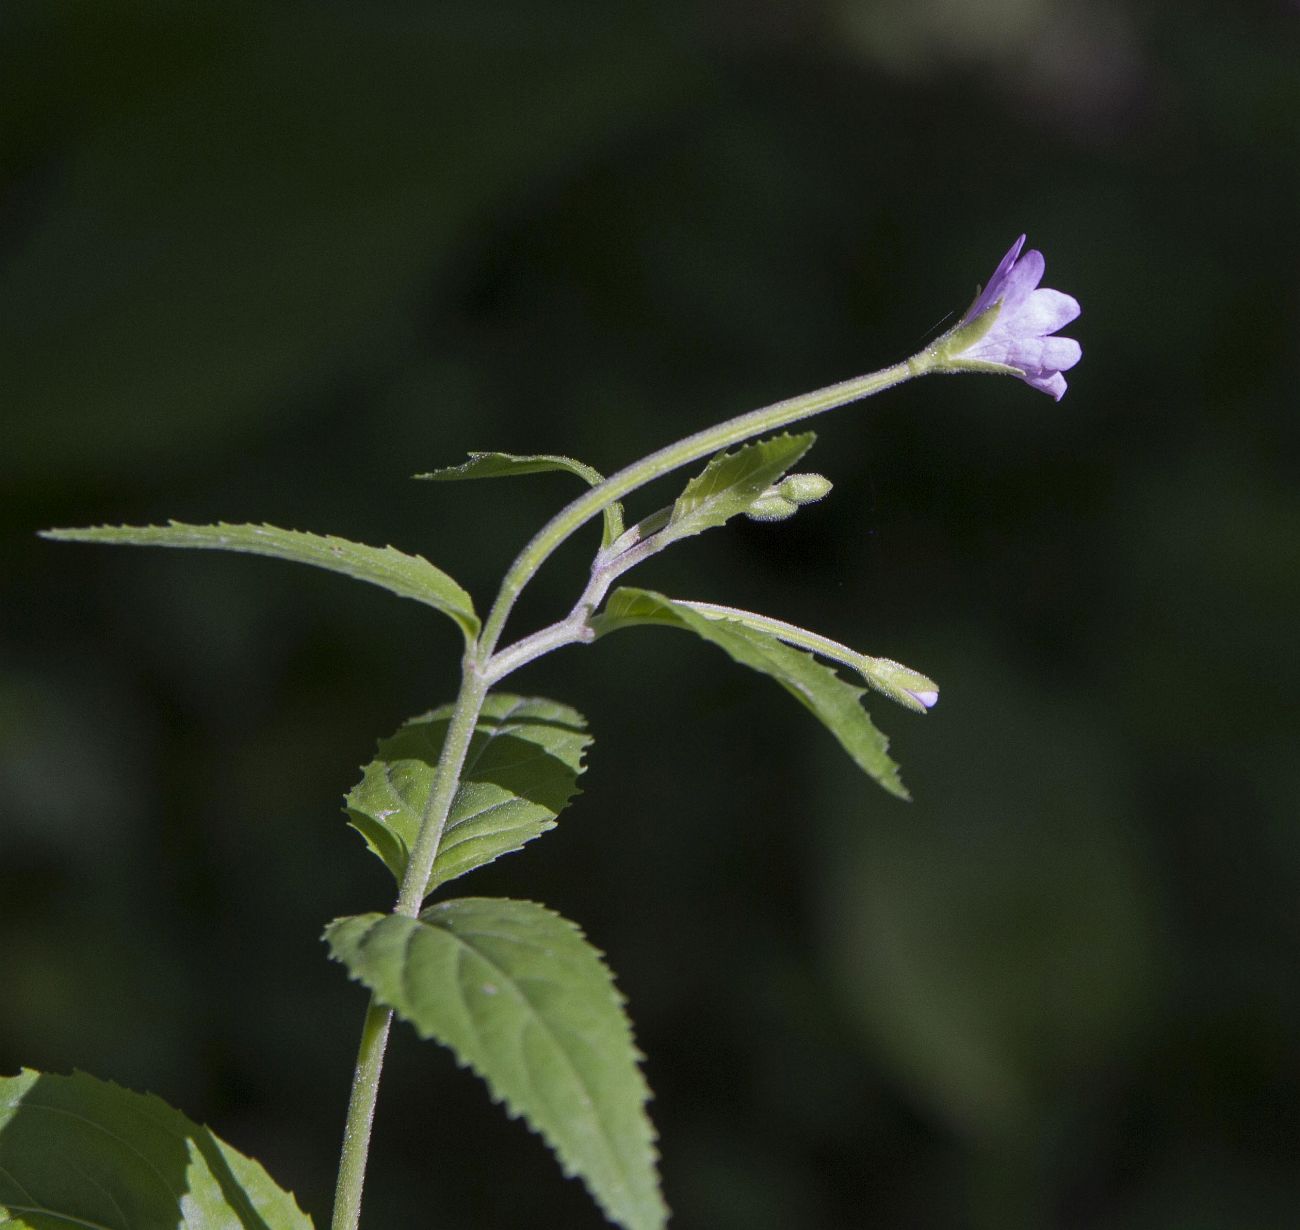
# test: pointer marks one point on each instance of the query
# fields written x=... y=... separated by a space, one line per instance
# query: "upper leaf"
x=521 y=771
x=502 y=465
x=407 y=576
x=76 y=1151
x=526 y=1002
x=835 y=703
x=731 y=482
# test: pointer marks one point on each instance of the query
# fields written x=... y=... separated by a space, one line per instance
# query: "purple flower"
x=1009 y=327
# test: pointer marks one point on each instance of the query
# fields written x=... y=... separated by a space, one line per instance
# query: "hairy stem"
x=361 y=1115
x=415 y=884
x=575 y=628
x=451 y=760
x=673 y=456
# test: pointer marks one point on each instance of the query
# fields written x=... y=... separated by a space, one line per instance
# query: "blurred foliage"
x=261 y=261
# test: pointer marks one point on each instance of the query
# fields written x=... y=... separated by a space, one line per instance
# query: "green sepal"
x=948 y=352
x=80 y=1152
x=524 y=1000
x=900 y=683
x=521 y=771
x=771 y=507
x=407 y=576
x=835 y=703
x=964 y=336
x=504 y=465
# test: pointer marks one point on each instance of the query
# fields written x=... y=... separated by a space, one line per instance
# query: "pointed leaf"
x=731 y=482
x=526 y=1002
x=520 y=773
x=835 y=703
x=76 y=1151
x=502 y=465
x=407 y=576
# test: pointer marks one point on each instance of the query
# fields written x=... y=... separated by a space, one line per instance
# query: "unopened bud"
x=900 y=683
x=804 y=488
x=771 y=507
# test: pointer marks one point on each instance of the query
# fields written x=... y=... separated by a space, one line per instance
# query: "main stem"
x=415 y=885
x=361 y=1115
x=474 y=689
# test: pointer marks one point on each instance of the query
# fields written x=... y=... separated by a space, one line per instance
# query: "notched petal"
x=1047 y=310
x=1011 y=325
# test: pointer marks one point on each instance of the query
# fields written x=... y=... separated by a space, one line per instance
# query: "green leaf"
x=731 y=482
x=407 y=576
x=522 y=769
x=526 y=1002
x=503 y=465
x=76 y=1151
x=835 y=703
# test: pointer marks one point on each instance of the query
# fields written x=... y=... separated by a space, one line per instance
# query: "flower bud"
x=771 y=507
x=900 y=683
x=804 y=488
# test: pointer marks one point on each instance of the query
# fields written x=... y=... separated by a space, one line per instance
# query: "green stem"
x=415 y=885
x=702 y=444
x=361 y=1115
x=455 y=747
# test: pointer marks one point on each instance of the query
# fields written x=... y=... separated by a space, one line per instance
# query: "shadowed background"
x=262 y=261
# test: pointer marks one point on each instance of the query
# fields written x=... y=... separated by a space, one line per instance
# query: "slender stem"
x=576 y=514
x=574 y=628
x=451 y=760
x=571 y=630
x=361 y=1115
x=415 y=884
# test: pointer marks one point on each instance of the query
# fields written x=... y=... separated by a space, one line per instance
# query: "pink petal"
x=1054 y=385
x=993 y=288
x=1060 y=353
x=1046 y=310
x=1005 y=264
x=1026 y=275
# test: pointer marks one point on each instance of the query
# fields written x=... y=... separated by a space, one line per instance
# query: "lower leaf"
x=76 y=1151
x=523 y=999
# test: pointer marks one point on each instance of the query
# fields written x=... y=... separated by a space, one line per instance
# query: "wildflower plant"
x=515 y=990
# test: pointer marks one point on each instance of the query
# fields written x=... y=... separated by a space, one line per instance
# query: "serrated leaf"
x=835 y=703
x=526 y=1002
x=76 y=1151
x=504 y=465
x=521 y=771
x=407 y=576
x=731 y=482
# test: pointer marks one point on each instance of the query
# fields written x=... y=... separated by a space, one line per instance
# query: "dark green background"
x=263 y=261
